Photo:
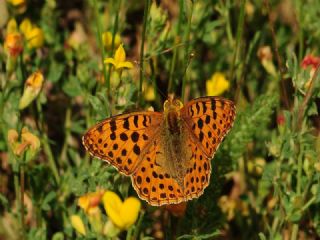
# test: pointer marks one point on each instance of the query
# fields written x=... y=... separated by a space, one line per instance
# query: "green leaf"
x=55 y=71
x=72 y=87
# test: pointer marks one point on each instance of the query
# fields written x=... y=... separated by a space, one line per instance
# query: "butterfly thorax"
x=174 y=155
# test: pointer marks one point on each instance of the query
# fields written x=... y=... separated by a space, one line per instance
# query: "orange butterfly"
x=168 y=155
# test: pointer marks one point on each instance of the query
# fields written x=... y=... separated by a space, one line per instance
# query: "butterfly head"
x=172 y=105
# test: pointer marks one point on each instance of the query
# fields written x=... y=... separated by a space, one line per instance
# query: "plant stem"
x=301 y=35
x=279 y=60
x=186 y=53
x=45 y=142
x=238 y=39
x=114 y=32
x=48 y=152
x=22 y=201
x=67 y=125
x=175 y=50
x=99 y=37
x=306 y=98
x=144 y=28
x=294 y=233
x=228 y=25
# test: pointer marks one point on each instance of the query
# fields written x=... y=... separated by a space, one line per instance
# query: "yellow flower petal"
x=217 y=85
x=120 y=55
x=12 y=136
x=32 y=89
x=107 y=40
x=25 y=26
x=124 y=65
x=17 y=2
x=11 y=26
x=35 y=38
x=130 y=211
x=110 y=60
x=30 y=138
x=113 y=204
x=149 y=93
x=78 y=225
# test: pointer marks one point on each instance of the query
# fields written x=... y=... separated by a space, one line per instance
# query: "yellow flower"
x=25 y=26
x=27 y=140
x=217 y=84
x=32 y=89
x=78 y=225
x=33 y=35
x=35 y=38
x=17 y=2
x=20 y=5
x=122 y=214
x=13 y=44
x=12 y=26
x=107 y=40
x=30 y=138
x=90 y=200
x=12 y=136
x=149 y=93
x=119 y=60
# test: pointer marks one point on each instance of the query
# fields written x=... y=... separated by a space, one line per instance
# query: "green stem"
x=114 y=32
x=175 y=50
x=136 y=230
x=100 y=41
x=301 y=35
x=228 y=24
x=144 y=28
x=186 y=53
x=238 y=39
x=17 y=193
x=67 y=126
x=23 y=233
x=46 y=145
x=294 y=233
x=299 y=172
x=48 y=152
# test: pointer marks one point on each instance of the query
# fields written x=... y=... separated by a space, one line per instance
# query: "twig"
x=279 y=60
x=306 y=98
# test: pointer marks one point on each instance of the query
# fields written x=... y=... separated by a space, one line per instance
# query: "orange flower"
x=90 y=200
x=13 y=44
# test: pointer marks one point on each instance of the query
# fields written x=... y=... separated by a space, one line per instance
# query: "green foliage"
x=265 y=180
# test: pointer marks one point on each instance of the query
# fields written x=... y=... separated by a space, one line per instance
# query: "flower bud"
x=32 y=89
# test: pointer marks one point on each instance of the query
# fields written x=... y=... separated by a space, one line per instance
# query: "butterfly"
x=167 y=154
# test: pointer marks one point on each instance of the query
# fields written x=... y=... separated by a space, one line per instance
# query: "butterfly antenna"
x=184 y=79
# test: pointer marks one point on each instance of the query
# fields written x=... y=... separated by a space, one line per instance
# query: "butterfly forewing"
x=120 y=140
x=209 y=120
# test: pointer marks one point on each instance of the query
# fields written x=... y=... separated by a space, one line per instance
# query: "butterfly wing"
x=154 y=183
x=209 y=119
x=121 y=140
